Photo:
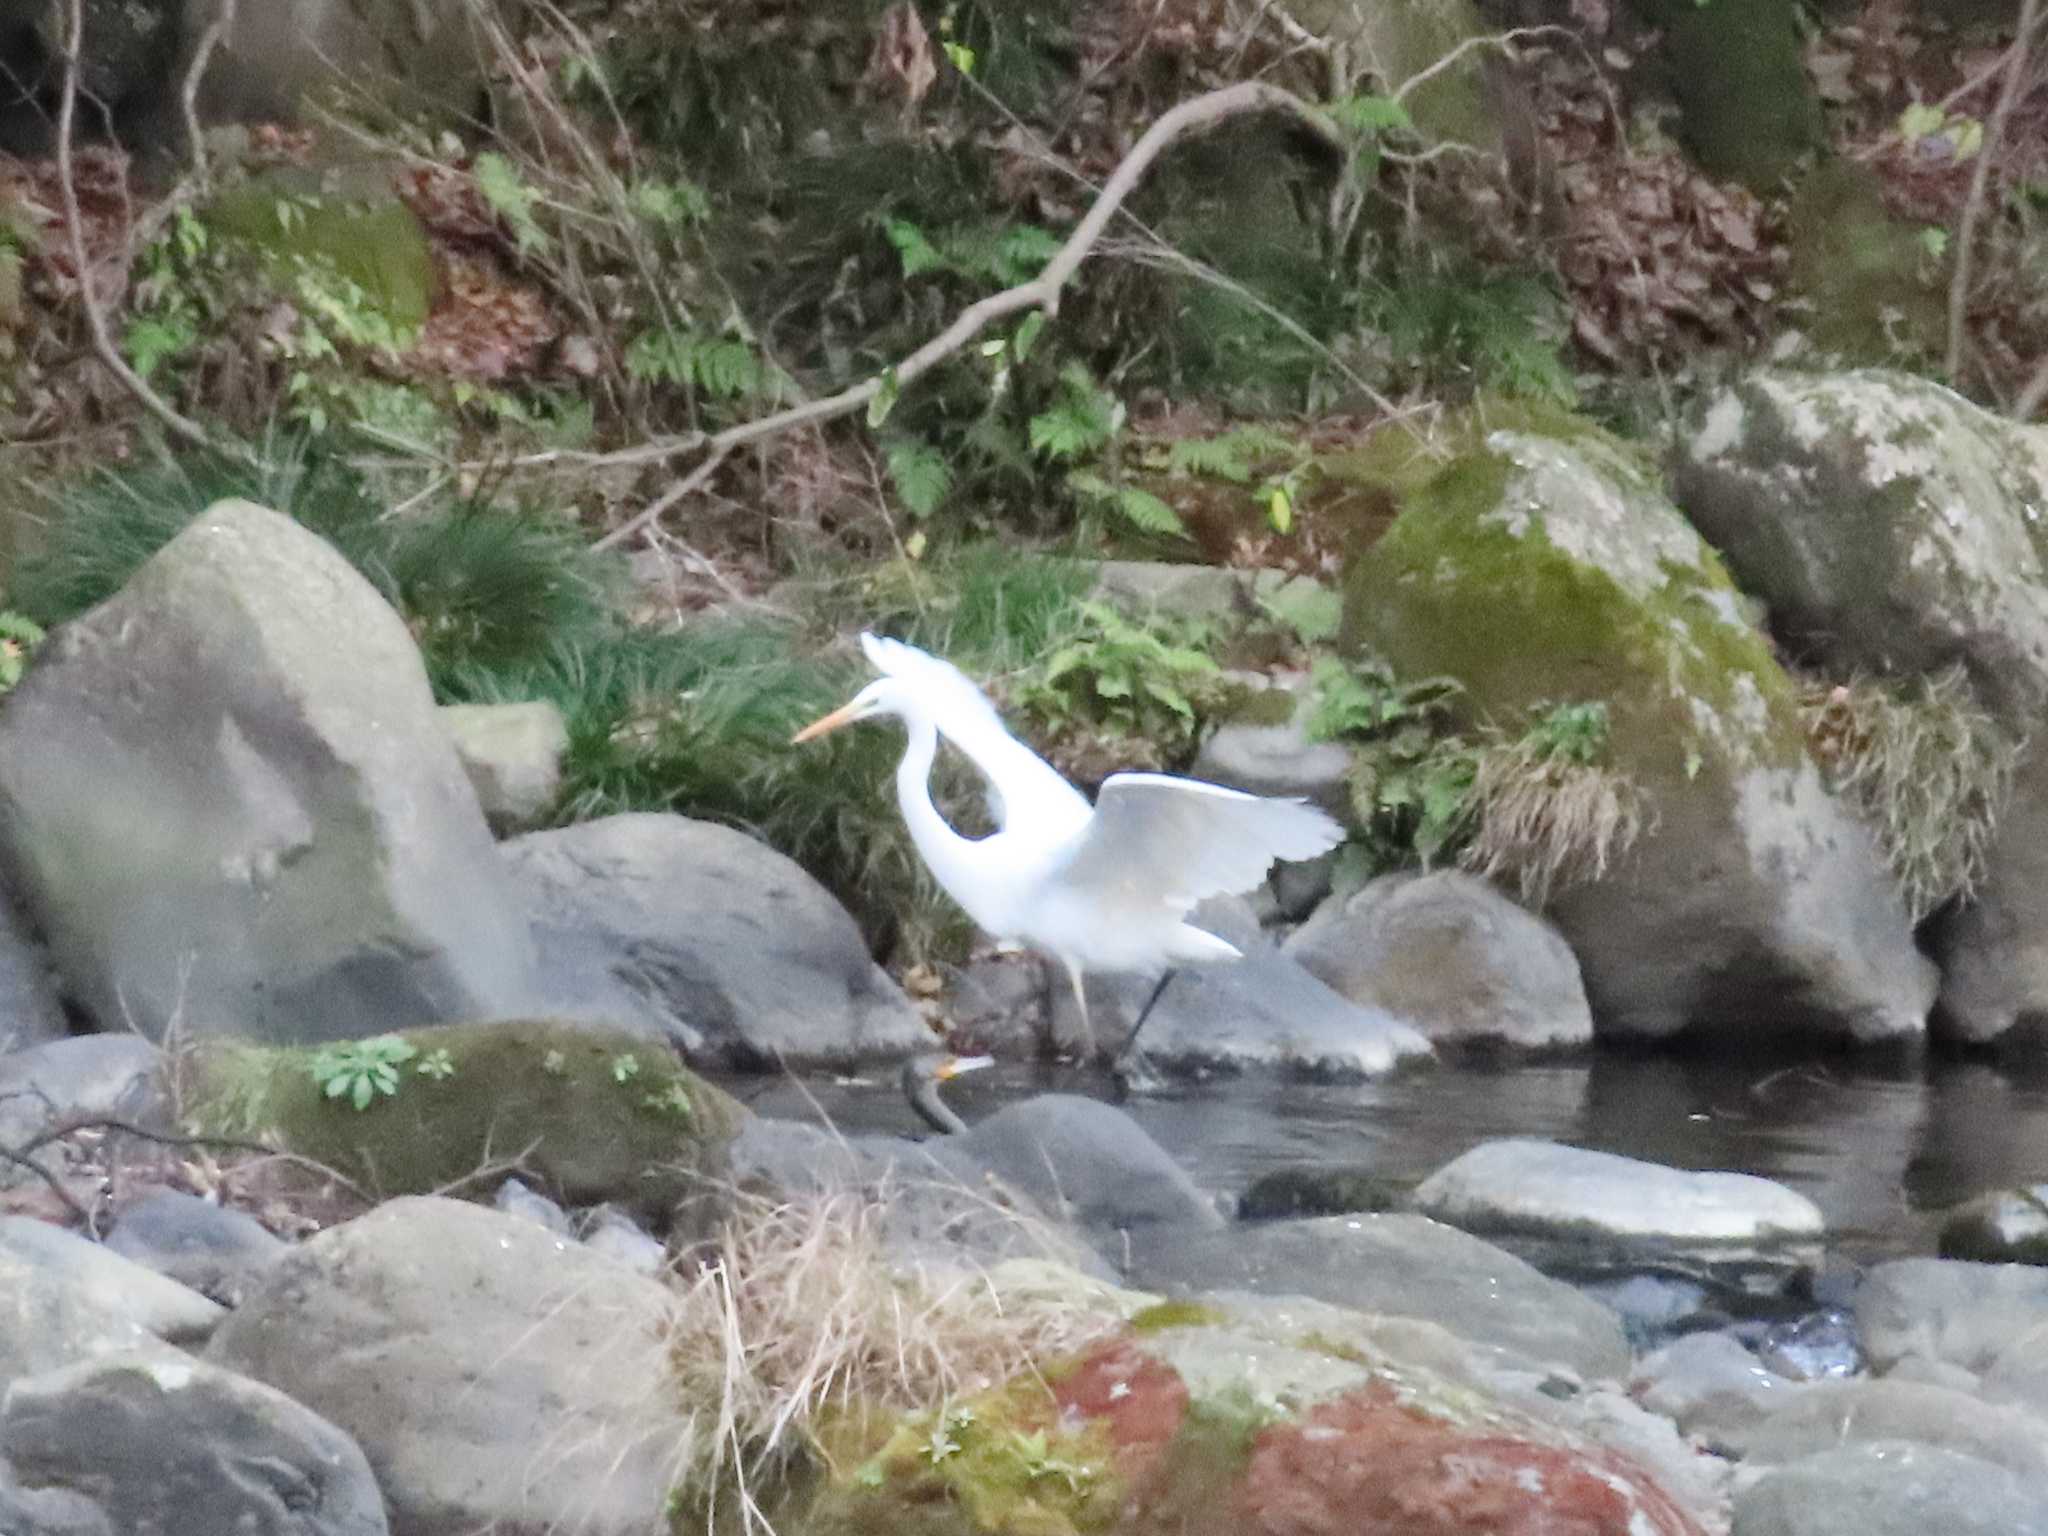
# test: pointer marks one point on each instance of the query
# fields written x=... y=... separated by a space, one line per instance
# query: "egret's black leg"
x=1144 y=1013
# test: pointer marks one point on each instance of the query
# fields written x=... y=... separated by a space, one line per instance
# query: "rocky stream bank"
x=374 y=1162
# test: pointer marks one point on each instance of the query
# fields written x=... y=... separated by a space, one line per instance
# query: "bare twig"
x=1504 y=41
x=195 y=74
x=2031 y=398
x=1980 y=181
x=95 y=314
x=70 y=1201
x=652 y=513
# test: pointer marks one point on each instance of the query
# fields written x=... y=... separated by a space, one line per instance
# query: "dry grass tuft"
x=807 y=1308
x=1545 y=819
x=1928 y=769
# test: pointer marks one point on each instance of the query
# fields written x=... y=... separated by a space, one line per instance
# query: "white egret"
x=1105 y=887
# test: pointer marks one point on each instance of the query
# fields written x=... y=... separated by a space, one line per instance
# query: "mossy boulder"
x=1541 y=563
x=1877 y=292
x=1747 y=108
x=594 y=1115
x=1894 y=528
x=1285 y=1416
x=343 y=223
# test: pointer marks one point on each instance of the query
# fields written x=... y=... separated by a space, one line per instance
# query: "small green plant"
x=437 y=1064
x=19 y=637
x=360 y=1070
x=1145 y=679
x=625 y=1068
x=555 y=1064
x=1411 y=775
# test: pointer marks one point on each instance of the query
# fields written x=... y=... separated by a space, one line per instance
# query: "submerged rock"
x=1541 y=566
x=594 y=1115
x=1896 y=529
x=2007 y=1226
x=1547 y=1188
x=1263 y=1011
x=497 y=1376
x=227 y=801
x=1451 y=955
x=728 y=947
x=169 y=1446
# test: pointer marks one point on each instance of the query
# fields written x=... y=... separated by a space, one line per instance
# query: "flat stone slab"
x=1520 y=1185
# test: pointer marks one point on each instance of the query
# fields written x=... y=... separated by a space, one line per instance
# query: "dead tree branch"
x=2009 y=92
x=95 y=313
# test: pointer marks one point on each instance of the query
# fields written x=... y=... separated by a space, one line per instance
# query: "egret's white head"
x=884 y=696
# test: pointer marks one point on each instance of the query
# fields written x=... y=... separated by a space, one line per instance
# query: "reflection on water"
x=1882 y=1152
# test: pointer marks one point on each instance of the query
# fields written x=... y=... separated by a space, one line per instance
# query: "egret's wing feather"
x=1160 y=839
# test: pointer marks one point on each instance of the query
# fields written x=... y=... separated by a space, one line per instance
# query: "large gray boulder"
x=1894 y=528
x=1401 y=1266
x=183 y=1448
x=738 y=955
x=1263 y=1011
x=1451 y=955
x=1538 y=569
x=497 y=1376
x=226 y=798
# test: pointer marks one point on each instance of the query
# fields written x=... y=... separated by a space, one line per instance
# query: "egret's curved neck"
x=945 y=850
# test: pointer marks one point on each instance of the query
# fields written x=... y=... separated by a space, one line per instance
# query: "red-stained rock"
x=1367 y=1465
x=1141 y=1400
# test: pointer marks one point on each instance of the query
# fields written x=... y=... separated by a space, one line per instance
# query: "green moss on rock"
x=353 y=227
x=596 y=1115
x=1540 y=568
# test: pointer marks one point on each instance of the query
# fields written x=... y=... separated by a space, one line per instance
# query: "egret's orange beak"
x=825 y=724
x=953 y=1066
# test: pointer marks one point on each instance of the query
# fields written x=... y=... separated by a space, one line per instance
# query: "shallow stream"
x=1882 y=1150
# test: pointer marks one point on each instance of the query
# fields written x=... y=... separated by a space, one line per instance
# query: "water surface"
x=1882 y=1151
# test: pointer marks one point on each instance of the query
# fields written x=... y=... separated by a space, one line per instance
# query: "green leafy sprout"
x=361 y=1070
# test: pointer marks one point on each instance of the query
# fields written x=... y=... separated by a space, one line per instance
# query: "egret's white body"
x=1102 y=887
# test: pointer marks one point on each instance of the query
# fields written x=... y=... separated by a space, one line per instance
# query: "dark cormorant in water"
x=921 y=1078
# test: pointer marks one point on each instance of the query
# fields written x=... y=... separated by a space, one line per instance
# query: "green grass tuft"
x=476 y=584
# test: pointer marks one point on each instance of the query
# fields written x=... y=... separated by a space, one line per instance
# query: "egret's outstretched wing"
x=1156 y=838
x=1020 y=782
